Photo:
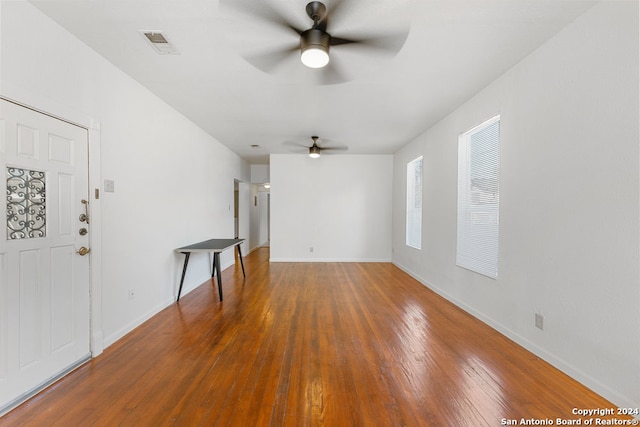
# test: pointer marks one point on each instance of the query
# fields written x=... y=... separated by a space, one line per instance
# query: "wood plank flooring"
x=309 y=344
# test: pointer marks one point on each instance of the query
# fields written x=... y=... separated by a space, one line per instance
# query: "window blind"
x=414 y=203
x=479 y=198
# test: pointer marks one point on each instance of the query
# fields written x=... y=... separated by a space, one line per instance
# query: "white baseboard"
x=329 y=260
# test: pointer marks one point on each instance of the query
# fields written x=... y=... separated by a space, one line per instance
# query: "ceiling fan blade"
x=261 y=10
x=337 y=41
x=333 y=149
x=332 y=74
x=295 y=147
x=330 y=145
x=332 y=11
x=391 y=42
x=269 y=61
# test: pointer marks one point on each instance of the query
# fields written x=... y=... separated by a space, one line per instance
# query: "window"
x=414 y=203
x=478 y=198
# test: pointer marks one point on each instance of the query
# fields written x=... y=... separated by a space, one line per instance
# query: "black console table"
x=217 y=246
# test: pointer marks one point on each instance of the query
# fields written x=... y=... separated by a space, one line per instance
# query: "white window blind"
x=414 y=203
x=479 y=198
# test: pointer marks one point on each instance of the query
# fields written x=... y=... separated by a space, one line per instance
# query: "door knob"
x=83 y=251
x=84 y=218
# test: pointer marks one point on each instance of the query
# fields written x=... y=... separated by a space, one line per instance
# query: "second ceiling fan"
x=315 y=149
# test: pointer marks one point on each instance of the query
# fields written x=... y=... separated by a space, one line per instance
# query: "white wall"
x=167 y=194
x=259 y=174
x=264 y=219
x=569 y=213
x=339 y=205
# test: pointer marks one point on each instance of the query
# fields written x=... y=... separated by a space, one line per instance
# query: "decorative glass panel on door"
x=26 y=206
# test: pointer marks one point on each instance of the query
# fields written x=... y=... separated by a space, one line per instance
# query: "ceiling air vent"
x=160 y=43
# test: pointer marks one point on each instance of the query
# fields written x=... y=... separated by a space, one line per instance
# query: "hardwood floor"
x=336 y=344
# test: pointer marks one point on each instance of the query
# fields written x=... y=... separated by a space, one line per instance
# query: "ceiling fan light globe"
x=314 y=152
x=314 y=57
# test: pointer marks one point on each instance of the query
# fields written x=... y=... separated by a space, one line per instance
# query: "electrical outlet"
x=540 y=321
x=311 y=249
x=132 y=294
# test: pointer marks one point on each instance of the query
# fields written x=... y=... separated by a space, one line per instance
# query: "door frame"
x=242 y=201
x=48 y=107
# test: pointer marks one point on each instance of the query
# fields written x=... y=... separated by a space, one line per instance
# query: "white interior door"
x=44 y=281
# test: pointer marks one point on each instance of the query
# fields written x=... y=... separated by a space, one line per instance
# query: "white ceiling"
x=453 y=49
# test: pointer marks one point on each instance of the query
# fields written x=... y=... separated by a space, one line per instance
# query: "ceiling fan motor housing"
x=314 y=151
x=314 y=47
